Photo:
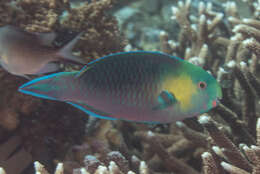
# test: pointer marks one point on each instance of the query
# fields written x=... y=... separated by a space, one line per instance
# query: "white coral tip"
x=242 y=64
x=220 y=15
x=204 y=119
x=130 y=172
x=238 y=27
x=246 y=20
x=231 y=64
x=194 y=26
x=258 y=123
x=232 y=5
x=206 y=155
x=175 y=10
x=112 y=166
x=201 y=5
x=163 y=33
x=233 y=38
x=38 y=166
x=248 y=41
x=143 y=165
x=245 y=148
x=83 y=171
x=102 y=169
x=2 y=171
x=134 y=158
x=222 y=70
x=202 y=18
x=226 y=166
x=231 y=19
x=179 y=124
x=209 y=6
x=180 y=4
x=59 y=168
x=150 y=133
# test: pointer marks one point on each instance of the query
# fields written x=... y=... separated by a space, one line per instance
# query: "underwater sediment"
x=222 y=37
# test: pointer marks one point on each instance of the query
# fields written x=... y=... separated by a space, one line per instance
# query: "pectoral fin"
x=165 y=100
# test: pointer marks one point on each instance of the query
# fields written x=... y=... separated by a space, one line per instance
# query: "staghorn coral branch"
x=217 y=19
x=253 y=45
x=231 y=9
x=221 y=41
x=39 y=168
x=252 y=22
x=181 y=14
x=256 y=149
x=202 y=32
x=234 y=20
x=247 y=30
x=165 y=46
x=232 y=169
x=143 y=169
x=237 y=126
x=233 y=155
x=209 y=164
x=170 y=162
x=250 y=154
x=194 y=136
x=254 y=64
x=248 y=109
x=252 y=80
x=258 y=132
x=232 y=50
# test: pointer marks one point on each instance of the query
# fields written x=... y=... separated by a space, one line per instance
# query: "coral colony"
x=219 y=37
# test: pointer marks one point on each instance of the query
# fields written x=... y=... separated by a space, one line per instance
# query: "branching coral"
x=194 y=39
x=112 y=168
x=234 y=167
x=239 y=68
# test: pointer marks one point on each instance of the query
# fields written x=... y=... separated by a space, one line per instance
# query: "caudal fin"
x=66 y=51
x=52 y=87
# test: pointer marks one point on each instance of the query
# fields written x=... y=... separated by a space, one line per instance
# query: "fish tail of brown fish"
x=65 y=53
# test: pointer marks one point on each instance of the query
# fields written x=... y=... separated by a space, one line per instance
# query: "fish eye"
x=202 y=85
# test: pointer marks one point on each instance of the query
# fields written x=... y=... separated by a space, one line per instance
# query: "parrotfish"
x=139 y=86
x=23 y=53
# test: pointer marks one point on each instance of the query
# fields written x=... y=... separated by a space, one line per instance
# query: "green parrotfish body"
x=23 y=53
x=136 y=86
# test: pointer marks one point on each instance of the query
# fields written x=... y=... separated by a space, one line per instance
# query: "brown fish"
x=23 y=53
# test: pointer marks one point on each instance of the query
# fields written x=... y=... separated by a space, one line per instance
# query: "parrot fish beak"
x=216 y=102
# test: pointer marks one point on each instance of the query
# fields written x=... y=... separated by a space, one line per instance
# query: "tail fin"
x=66 y=51
x=53 y=87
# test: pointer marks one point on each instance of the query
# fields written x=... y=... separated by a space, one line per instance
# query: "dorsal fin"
x=82 y=71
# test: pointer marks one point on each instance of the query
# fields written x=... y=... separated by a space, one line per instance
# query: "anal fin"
x=91 y=111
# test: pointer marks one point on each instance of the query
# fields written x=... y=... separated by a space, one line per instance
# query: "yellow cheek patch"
x=183 y=88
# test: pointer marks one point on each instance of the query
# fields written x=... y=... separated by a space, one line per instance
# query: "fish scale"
x=122 y=80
